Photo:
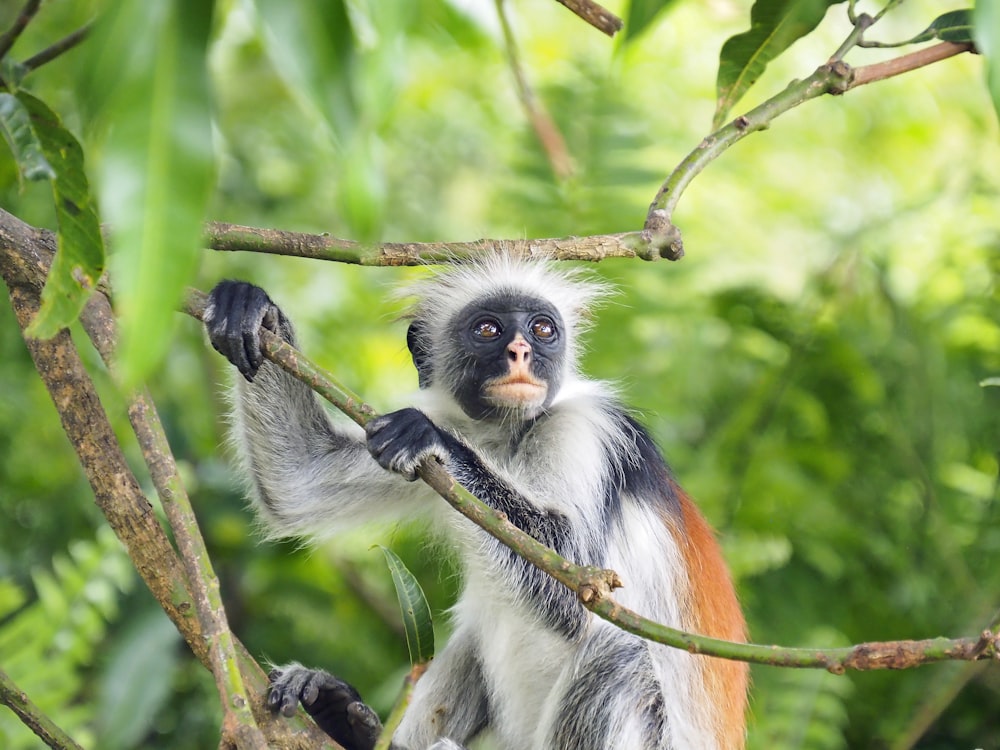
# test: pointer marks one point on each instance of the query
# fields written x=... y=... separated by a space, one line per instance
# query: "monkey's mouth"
x=520 y=391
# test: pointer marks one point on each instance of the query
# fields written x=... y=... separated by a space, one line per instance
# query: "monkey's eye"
x=543 y=328
x=487 y=328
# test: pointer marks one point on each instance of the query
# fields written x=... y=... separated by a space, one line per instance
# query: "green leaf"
x=986 y=18
x=417 y=621
x=955 y=26
x=774 y=26
x=79 y=260
x=312 y=47
x=15 y=122
x=157 y=169
x=989 y=382
x=641 y=13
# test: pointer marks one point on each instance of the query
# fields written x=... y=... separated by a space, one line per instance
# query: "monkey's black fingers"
x=234 y=316
x=400 y=441
x=334 y=705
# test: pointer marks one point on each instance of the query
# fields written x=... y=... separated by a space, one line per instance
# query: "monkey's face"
x=508 y=357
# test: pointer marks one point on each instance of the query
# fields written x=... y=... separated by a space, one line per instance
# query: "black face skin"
x=484 y=350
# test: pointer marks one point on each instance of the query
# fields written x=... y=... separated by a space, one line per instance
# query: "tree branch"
x=906 y=63
x=30 y=715
x=238 y=721
x=20 y=24
x=593 y=585
x=50 y=53
x=597 y=16
x=835 y=77
x=25 y=258
x=231 y=237
x=545 y=128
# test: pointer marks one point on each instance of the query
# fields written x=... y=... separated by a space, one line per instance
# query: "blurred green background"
x=812 y=369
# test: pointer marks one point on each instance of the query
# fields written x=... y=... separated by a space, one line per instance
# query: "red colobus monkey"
x=503 y=406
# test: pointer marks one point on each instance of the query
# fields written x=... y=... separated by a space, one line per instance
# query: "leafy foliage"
x=774 y=26
x=47 y=645
x=812 y=368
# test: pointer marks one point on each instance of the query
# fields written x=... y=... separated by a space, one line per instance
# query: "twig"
x=593 y=585
x=597 y=16
x=230 y=237
x=906 y=63
x=545 y=128
x=33 y=718
x=659 y=228
x=835 y=77
x=402 y=703
x=20 y=24
x=49 y=54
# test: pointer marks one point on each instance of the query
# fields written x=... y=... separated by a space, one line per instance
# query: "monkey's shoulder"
x=598 y=430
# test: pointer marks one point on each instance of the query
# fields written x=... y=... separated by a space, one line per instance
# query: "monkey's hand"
x=235 y=314
x=400 y=441
x=334 y=705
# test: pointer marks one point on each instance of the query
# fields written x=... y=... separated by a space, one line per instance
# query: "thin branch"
x=835 y=77
x=20 y=24
x=32 y=717
x=906 y=63
x=231 y=237
x=49 y=54
x=597 y=16
x=593 y=585
x=659 y=228
x=238 y=721
x=545 y=128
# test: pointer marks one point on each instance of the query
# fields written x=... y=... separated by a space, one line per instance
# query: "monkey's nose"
x=519 y=351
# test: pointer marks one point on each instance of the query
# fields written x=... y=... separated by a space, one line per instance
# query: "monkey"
x=504 y=406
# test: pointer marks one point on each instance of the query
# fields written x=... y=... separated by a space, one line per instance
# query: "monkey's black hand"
x=235 y=314
x=334 y=705
x=400 y=441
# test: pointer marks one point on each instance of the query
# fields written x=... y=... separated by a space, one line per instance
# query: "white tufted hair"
x=440 y=297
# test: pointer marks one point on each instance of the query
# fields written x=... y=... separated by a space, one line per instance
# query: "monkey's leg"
x=449 y=701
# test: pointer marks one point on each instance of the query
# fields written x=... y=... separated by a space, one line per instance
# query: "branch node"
x=662 y=237
x=842 y=76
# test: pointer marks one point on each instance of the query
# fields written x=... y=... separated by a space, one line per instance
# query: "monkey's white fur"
x=312 y=480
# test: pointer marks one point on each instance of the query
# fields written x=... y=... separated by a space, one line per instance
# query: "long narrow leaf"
x=774 y=26
x=157 y=168
x=416 y=613
x=79 y=260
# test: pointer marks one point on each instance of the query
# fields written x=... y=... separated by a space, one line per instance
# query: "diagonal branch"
x=50 y=53
x=546 y=130
x=593 y=585
x=835 y=77
x=238 y=721
x=25 y=259
x=20 y=24
x=597 y=16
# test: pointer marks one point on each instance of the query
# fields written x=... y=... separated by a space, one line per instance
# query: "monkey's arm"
x=401 y=440
x=307 y=477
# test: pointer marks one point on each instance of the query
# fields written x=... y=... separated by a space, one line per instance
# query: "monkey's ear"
x=416 y=342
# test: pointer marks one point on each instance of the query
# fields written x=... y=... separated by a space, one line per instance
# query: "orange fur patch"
x=715 y=611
